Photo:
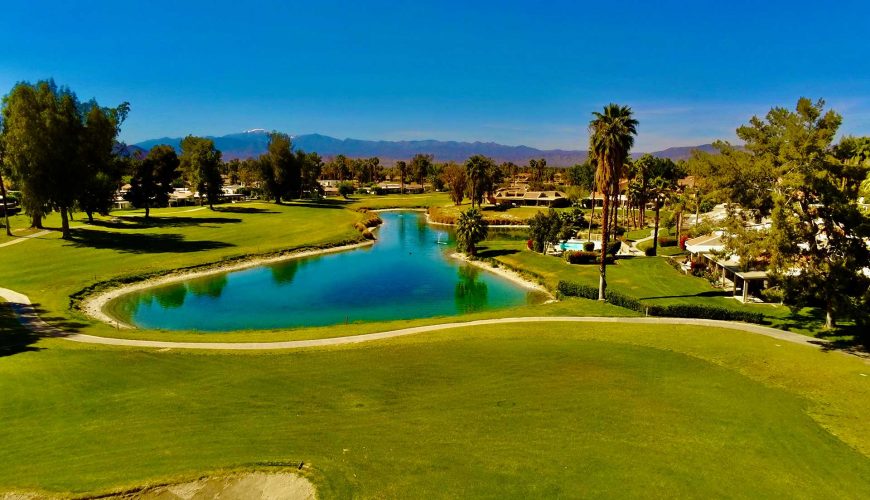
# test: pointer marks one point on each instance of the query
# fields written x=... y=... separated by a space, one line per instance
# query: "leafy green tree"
x=3 y=187
x=200 y=164
x=611 y=136
x=471 y=229
x=545 y=228
x=152 y=179
x=102 y=168
x=435 y=176
x=279 y=169
x=345 y=189
x=456 y=179
x=816 y=244
x=310 y=166
x=420 y=167
x=53 y=148
x=582 y=175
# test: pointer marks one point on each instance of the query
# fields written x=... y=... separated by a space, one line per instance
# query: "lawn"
x=512 y=411
x=650 y=279
x=376 y=202
x=522 y=410
x=49 y=269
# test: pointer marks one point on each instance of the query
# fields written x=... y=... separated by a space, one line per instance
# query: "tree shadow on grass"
x=20 y=336
x=711 y=293
x=141 y=243
x=334 y=204
x=244 y=210
x=486 y=253
x=15 y=338
x=139 y=222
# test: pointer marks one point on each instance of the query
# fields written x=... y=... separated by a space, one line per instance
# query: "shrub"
x=704 y=312
x=649 y=252
x=570 y=289
x=345 y=189
x=667 y=241
x=614 y=247
x=683 y=241
x=583 y=257
x=589 y=246
x=772 y=294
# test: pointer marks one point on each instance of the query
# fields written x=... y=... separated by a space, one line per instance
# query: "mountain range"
x=253 y=143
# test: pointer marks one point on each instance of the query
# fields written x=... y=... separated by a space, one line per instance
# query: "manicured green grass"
x=531 y=410
x=637 y=234
x=650 y=279
x=49 y=269
x=375 y=202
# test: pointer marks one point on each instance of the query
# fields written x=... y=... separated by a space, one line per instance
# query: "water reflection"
x=471 y=292
x=283 y=273
x=170 y=297
x=211 y=286
x=407 y=274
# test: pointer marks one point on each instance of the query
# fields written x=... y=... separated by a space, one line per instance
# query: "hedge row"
x=570 y=289
x=704 y=312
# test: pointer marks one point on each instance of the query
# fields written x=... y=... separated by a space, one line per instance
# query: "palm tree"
x=403 y=171
x=471 y=229
x=611 y=136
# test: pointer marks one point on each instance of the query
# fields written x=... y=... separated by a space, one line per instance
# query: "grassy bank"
x=649 y=279
x=511 y=411
x=49 y=270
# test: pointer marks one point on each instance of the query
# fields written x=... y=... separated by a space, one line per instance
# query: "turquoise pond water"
x=406 y=274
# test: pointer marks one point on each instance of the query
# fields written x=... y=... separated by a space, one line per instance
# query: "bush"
x=345 y=189
x=649 y=251
x=667 y=241
x=583 y=257
x=570 y=289
x=704 y=312
x=614 y=247
x=589 y=246
x=772 y=294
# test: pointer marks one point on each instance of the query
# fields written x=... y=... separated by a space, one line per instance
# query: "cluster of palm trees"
x=611 y=137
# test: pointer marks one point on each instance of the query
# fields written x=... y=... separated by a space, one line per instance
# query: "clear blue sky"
x=511 y=72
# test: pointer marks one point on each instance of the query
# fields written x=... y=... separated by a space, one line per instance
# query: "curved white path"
x=28 y=317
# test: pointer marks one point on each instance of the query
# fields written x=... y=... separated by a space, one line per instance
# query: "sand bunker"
x=248 y=486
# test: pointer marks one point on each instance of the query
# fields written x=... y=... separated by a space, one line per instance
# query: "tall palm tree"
x=471 y=229
x=611 y=136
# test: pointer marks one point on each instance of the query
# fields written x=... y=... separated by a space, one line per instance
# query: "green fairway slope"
x=519 y=410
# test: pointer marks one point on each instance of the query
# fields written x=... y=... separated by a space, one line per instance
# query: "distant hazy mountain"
x=253 y=143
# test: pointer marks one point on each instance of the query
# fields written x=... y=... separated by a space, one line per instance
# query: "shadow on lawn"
x=319 y=204
x=139 y=222
x=141 y=243
x=486 y=253
x=244 y=210
x=14 y=337
x=711 y=293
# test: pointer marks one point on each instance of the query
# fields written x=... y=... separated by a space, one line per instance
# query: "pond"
x=408 y=273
